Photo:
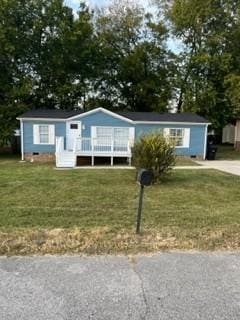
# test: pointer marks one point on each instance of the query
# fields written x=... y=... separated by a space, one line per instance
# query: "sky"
x=75 y=3
x=172 y=44
x=99 y=3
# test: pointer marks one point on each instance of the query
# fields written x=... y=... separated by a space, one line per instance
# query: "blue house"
x=66 y=135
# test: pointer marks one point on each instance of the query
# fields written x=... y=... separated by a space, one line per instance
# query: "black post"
x=139 y=214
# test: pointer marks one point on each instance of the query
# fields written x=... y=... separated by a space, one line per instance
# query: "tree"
x=135 y=60
x=205 y=28
x=45 y=57
x=14 y=82
x=63 y=61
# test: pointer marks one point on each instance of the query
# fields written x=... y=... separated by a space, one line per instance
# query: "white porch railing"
x=59 y=144
x=102 y=145
x=64 y=158
x=90 y=147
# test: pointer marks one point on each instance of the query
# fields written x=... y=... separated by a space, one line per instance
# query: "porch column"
x=22 y=141
x=93 y=161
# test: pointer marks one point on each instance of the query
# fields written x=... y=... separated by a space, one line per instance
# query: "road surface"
x=161 y=287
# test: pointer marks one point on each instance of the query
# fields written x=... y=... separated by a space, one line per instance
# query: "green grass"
x=227 y=152
x=185 y=161
x=43 y=210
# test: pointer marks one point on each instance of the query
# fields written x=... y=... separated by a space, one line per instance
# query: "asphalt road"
x=166 y=286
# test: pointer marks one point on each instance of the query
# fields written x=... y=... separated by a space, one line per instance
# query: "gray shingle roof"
x=134 y=116
x=163 y=117
x=49 y=114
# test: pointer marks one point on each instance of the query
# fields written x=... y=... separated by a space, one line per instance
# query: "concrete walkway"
x=232 y=167
x=167 y=286
x=192 y=167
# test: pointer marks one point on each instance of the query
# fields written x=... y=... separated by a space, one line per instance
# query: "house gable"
x=101 y=110
x=100 y=118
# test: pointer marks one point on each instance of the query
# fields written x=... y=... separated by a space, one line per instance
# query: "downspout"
x=205 y=143
x=22 y=147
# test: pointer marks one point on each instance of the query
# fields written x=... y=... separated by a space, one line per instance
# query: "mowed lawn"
x=227 y=152
x=43 y=210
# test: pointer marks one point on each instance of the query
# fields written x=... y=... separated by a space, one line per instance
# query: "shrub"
x=154 y=152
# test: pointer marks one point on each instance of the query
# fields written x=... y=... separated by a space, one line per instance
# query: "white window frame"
x=37 y=134
x=185 y=137
x=131 y=132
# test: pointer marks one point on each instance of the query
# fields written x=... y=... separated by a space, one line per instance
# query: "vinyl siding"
x=100 y=119
x=29 y=146
x=197 y=134
x=197 y=137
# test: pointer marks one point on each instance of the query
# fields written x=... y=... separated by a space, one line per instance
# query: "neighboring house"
x=46 y=134
x=231 y=134
x=228 y=135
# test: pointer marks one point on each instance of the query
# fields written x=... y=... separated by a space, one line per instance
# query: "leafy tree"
x=64 y=59
x=135 y=73
x=14 y=82
x=45 y=57
x=206 y=29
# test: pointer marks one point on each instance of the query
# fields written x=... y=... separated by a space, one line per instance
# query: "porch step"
x=66 y=160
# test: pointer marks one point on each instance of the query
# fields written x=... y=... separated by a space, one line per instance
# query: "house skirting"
x=40 y=157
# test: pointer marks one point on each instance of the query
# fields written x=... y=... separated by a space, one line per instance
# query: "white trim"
x=36 y=136
x=22 y=144
x=132 y=133
x=69 y=142
x=51 y=132
x=205 y=143
x=186 y=136
x=116 y=116
x=113 y=114
x=173 y=123
x=51 y=135
x=166 y=132
x=42 y=119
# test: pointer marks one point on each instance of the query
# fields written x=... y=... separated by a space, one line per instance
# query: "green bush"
x=154 y=152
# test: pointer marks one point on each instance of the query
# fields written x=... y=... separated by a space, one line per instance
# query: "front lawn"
x=227 y=152
x=43 y=210
x=185 y=161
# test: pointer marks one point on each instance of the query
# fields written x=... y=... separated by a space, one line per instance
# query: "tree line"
x=120 y=58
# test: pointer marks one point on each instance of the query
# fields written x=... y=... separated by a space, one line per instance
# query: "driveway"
x=166 y=286
x=232 y=167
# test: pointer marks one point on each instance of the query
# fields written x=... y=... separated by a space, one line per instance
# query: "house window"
x=177 y=137
x=74 y=126
x=44 y=134
x=111 y=133
x=121 y=134
x=104 y=133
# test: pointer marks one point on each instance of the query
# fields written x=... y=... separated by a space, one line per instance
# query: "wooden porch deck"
x=89 y=147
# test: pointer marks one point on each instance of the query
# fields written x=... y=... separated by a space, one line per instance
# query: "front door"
x=74 y=131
